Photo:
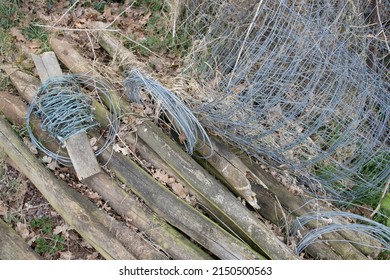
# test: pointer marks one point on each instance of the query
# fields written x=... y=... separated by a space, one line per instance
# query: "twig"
x=120 y=14
x=139 y=44
x=385 y=189
x=380 y=24
x=175 y=7
x=67 y=11
x=93 y=51
x=76 y=29
x=284 y=215
x=245 y=39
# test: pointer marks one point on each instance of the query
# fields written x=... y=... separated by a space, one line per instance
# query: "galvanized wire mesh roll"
x=64 y=105
x=299 y=84
x=183 y=121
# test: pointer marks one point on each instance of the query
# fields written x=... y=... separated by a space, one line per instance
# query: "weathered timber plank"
x=12 y=246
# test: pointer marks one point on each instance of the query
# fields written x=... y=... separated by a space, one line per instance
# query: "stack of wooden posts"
x=176 y=229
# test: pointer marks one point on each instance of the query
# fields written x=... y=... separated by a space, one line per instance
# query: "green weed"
x=152 y=5
x=9 y=14
x=33 y=31
x=372 y=172
x=49 y=246
x=43 y=224
x=386 y=208
x=384 y=255
x=48 y=243
x=159 y=37
x=5 y=43
x=5 y=81
x=99 y=6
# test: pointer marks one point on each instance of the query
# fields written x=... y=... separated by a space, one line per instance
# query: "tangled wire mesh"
x=183 y=121
x=367 y=227
x=65 y=106
x=298 y=83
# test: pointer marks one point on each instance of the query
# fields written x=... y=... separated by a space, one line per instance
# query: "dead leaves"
x=50 y=163
x=22 y=230
x=67 y=255
x=34 y=46
x=124 y=150
x=3 y=209
x=176 y=187
x=30 y=145
x=180 y=190
x=17 y=34
x=61 y=229
x=93 y=256
x=161 y=176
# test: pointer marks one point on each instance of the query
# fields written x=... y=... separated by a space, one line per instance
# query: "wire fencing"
x=302 y=84
x=64 y=106
x=183 y=121
x=364 y=226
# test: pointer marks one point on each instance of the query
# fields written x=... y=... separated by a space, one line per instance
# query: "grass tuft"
x=35 y=32
x=9 y=14
x=48 y=242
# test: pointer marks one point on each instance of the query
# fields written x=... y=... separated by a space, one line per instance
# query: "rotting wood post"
x=296 y=206
x=179 y=213
x=75 y=209
x=12 y=246
x=267 y=194
x=78 y=146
